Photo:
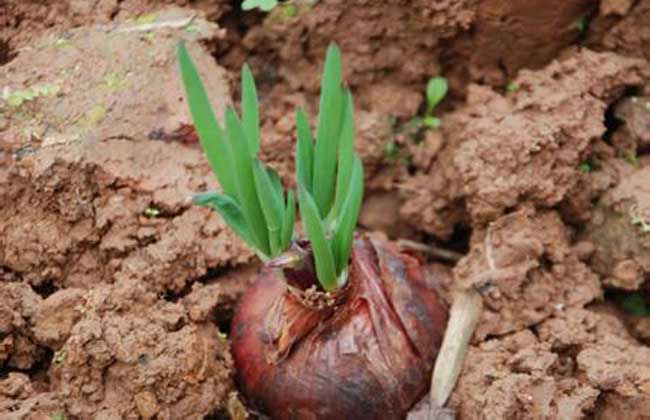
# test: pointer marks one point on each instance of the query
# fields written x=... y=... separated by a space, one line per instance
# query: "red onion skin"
x=368 y=357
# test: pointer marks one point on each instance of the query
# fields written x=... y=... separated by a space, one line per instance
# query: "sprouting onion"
x=252 y=200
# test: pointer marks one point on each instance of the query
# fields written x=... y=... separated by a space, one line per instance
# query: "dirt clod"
x=618 y=230
x=133 y=353
x=525 y=265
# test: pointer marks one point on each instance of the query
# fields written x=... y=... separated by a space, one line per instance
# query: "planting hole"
x=6 y=52
x=45 y=288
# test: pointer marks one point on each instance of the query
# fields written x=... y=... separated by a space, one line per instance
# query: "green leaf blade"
x=271 y=206
x=276 y=181
x=229 y=211
x=345 y=159
x=210 y=133
x=323 y=258
x=304 y=151
x=250 y=110
x=245 y=180
x=436 y=90
x=289 y=221
x=329 y=128
x=344 y=233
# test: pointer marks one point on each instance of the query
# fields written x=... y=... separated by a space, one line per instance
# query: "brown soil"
x=116 y=295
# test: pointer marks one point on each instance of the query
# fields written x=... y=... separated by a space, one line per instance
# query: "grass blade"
x=229 y=210
x=304 y=151
x=245 y=180
x=289 y=220
x=323 y=258
x=344 y=234
x=250 y=110
x=329 y=128
x=271 y=207
x=345 y=159
x=210 y=133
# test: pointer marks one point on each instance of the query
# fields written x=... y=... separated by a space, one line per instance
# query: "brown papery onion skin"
x=368 y=355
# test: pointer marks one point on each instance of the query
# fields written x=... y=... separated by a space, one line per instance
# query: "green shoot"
x=323 y=258
x=304 y=151
x=637 y=219
x=263 y=5
x=253 y=202
x=635 y=304
x=586 y=168
x=290 y=10
x=330 y=114
x=330 y=177
x=250 y=110
x=210 y=133
x=151 y=212
x=581 y=24
x=436 y=91
x=511 y=87
x=630 y=157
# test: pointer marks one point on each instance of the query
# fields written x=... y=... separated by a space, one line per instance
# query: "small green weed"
x=60 y=357
x=113 y=81
x=263 y=5
x=17 y=98
x=586 y=168
x=436 y=90
x=635 y=304
x=511 y=87
x=64 y=43
x=151 y=212
x=95 y=115
x=630 y=157
x=637 y=219
x=146 y=18
x=290 y=10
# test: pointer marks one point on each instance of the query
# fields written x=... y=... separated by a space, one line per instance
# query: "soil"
x=116 y=295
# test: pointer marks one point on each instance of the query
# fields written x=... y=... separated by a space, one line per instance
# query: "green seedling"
x=263 y=5
x=192 y=28
x=586 y=168
x=95 y=115
x=17 y=98
x=252 y=201
x=580 y=24
x=290 y=10
x=629 y=157
x=511 y=87
x=146 y=18
x=151 y=212
x=148 y=36
x=60 y=356
x=635 y=304
x=391 y=150
x=638 y=220
x=113 y=80
x=63 y=43
x=436 y=91
x=643 y=225
x=57 y=416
